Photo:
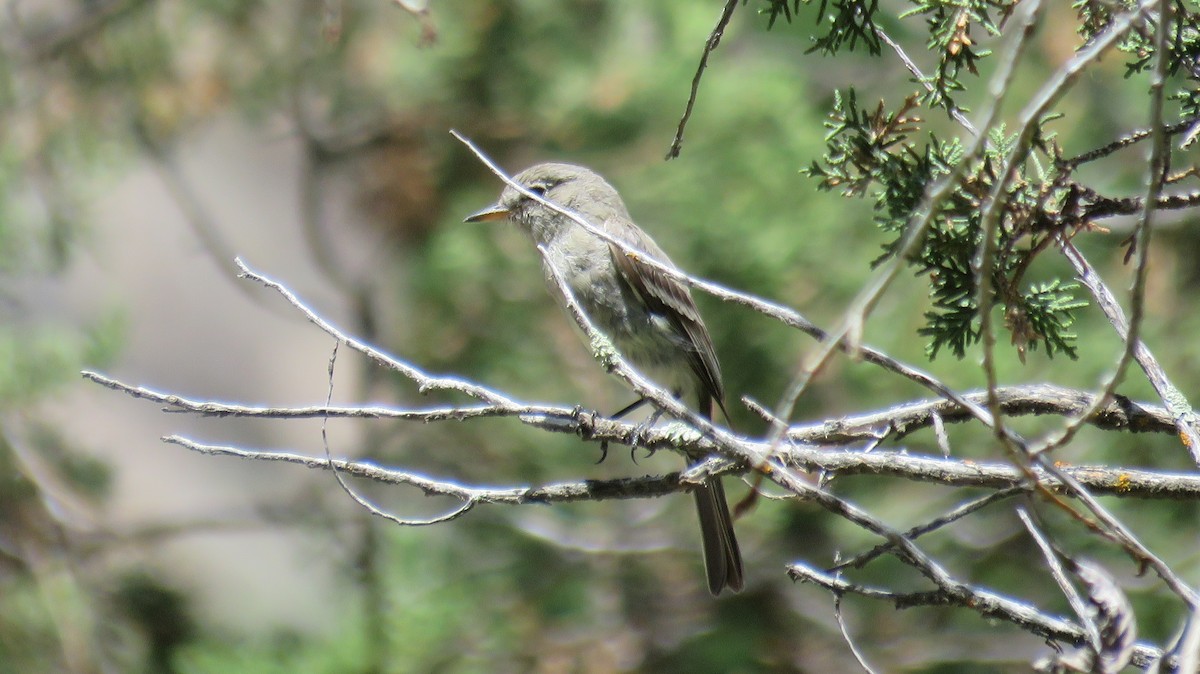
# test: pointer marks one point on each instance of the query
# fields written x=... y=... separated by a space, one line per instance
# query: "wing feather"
x=673 y=300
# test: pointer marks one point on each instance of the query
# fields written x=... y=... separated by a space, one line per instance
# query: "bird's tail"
x=722 y=558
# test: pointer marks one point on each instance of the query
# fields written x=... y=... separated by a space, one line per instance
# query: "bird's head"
x=567 y=185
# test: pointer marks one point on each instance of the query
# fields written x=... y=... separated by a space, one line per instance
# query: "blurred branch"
x=1183 y=416
x=157 y=533
x=848 y=335
x=992 y=213
x=69 y=33
x=1159 y=163
x=192 y=207
x=39 y=512
x=1121 y=143
x=1060 y=577
x=963 y=510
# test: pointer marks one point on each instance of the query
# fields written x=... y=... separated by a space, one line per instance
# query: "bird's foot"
x=640 y=435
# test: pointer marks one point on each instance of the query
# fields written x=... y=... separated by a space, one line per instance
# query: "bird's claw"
x=639 y=435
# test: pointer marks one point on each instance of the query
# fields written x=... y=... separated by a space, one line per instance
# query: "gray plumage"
x=651 y=318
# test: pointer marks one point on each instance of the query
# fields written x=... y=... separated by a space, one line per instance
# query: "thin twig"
x=209 y=408
x=564 y=492
x=1060 y=577
x=987 y=604
x=192 y=208
x=1183 y=416
x=425 y=382
x=710 y=45
x=1154 y=184
x=1122 y=143
x=841 y=621
x=860 y=560
x=992 y=213
x=955 y=112
x=454 y=513
x=936 y=193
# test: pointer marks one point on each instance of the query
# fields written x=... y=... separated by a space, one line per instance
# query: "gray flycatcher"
x=649 y=316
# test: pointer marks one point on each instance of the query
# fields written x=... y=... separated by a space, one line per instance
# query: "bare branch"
x=1119 y=413
x=861 y=560
x=1182 y=414
x=710 y=46
x=851 y=327
x=566 y=492
x=1103 y=480
x=955 y=111
x=212 y=408
x=425 y=382
x=1122 y=143
x=986 y=603
x=1154 y=184
x=1060 y=577
x=808 y=445
x=72 y=32
x=837 y=613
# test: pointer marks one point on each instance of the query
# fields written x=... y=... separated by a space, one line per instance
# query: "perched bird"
x=650 y=317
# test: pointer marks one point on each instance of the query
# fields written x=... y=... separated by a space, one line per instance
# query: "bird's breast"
x=646 y=339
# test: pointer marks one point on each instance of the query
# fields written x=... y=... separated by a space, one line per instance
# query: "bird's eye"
x=539 y=190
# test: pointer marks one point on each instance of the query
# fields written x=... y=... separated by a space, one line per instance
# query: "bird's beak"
x=493 y=212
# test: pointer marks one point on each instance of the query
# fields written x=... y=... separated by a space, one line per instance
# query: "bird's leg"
x=617 y=415
x=638 y=432
x=629 y=408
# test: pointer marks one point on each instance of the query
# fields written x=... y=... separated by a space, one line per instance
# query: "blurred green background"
x=146 y=143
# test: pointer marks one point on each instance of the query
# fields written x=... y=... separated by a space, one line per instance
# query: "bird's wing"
x=672 y=299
